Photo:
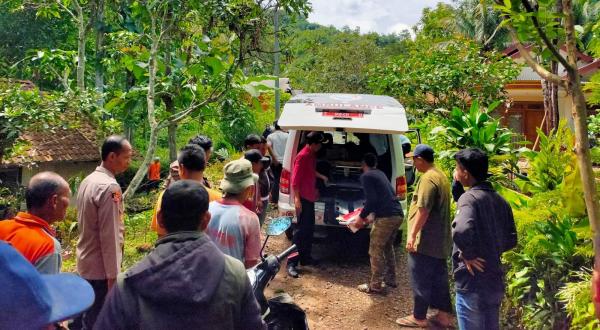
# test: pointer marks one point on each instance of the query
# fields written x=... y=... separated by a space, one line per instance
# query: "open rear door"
x=347 y=112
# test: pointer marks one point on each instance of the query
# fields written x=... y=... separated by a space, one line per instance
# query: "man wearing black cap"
x=429 y=242
x=304 y=179
x=482 y=230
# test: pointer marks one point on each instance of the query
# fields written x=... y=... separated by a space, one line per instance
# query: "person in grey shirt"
x=277 y=141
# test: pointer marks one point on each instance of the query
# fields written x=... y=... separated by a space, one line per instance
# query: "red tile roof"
x=513 y=52
x=61 y=145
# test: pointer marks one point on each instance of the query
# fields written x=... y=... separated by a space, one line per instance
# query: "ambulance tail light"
x=284 y=182
x=401 y=187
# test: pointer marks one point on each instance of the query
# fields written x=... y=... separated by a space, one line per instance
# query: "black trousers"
x=276 y=169
x=429 y=282
x=303 y=233
x=87 y=320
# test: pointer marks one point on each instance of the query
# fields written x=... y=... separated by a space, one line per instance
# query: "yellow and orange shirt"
x=213 y=195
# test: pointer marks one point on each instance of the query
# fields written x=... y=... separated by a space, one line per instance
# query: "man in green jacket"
x=186 y=282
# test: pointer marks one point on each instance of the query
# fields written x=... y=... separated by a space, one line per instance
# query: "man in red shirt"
x=304 y=177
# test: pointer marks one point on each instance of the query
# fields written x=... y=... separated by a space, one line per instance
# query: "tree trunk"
x=129 y=130
x=554 y=112
x=172 y=129
x=550 y=91
x=143 y=169
x=100 y=34
x=80 y=47
x=150 y=100
x=547 y=92
x=170 y=108
x=579 y=109
x=172 y=133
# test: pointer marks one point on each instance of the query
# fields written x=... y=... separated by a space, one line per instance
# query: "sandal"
x=366 y=288
x=409 y=322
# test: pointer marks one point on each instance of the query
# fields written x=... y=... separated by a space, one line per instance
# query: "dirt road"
x=328 y=292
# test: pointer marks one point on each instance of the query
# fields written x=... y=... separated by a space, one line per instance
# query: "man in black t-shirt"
x=380 y=200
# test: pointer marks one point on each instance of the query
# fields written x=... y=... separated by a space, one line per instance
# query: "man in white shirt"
x=277 y=141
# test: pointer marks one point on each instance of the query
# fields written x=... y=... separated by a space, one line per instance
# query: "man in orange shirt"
x=47 y=198
x=154 y=174
x=192 y=162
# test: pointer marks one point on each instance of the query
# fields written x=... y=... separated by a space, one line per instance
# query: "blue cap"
x=423 y=151
x=31 y=300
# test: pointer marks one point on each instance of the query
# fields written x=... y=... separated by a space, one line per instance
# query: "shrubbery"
x=545 y=287
x=548 y=272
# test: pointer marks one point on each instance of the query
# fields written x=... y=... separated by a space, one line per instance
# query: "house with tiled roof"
x=69 y=152
x=525 y=111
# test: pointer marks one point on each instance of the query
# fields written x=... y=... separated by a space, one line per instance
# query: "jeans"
x=429 y=281
x=478 y=310
x=381 y=250
x=88 y=319
x=303 y=233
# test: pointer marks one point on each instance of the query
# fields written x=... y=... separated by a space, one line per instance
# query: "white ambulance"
x=353 y=125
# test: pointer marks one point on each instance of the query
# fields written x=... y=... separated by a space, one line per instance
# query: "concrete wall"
x=65 y=169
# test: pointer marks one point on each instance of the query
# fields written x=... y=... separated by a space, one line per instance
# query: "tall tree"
x=538 y=25
x=83 y=14
x=444 y=75
x=478 y=20
x=192 y=52
x=100 y=31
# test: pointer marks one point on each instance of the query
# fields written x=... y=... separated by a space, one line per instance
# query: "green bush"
x=66 y=230
x=577 y=299
x=595 y=153
x=214 y=172
x=11 y=200
x=141 y=202
x=426 y=126
x=138 y=237
x=594 y=128
x=547 y=166
x=67 y=234
x=541 y=269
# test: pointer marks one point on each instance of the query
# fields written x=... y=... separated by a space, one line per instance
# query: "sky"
x=381 y=16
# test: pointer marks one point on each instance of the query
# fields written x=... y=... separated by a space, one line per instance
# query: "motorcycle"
x=279 y=312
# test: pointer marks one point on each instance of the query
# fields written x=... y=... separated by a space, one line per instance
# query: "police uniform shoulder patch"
x=116 y=195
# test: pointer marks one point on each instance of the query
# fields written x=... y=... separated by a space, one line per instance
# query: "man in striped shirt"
x=30 y=233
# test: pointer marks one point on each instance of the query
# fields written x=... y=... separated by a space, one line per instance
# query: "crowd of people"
x=482 y=229
x=195 y=277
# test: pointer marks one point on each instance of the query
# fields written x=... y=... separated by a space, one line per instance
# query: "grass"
x=139 y=240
